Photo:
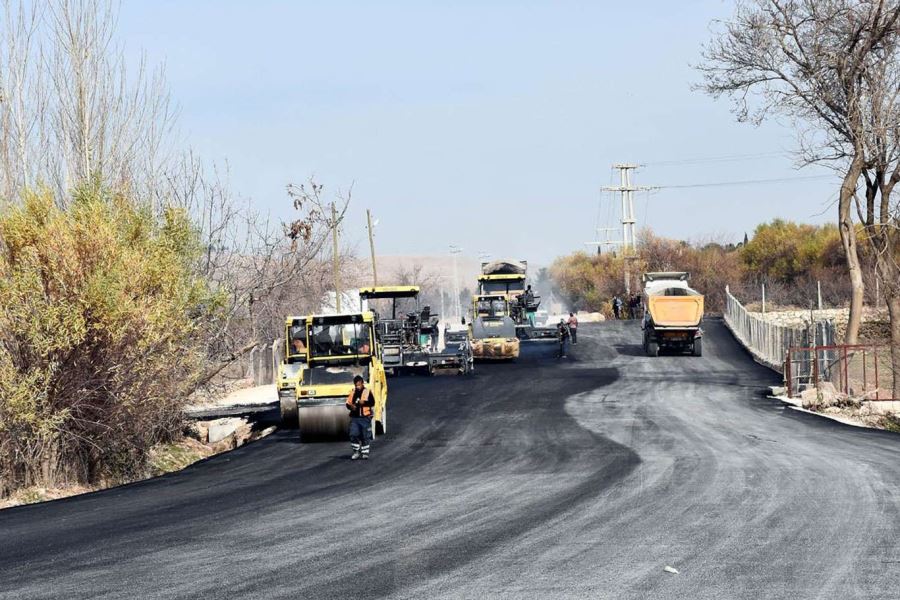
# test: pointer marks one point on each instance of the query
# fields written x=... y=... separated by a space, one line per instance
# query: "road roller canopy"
x=393 y=293
x=389 y=291
x=340 y=337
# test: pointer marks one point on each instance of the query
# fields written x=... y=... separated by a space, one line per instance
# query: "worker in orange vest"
x=360 y=403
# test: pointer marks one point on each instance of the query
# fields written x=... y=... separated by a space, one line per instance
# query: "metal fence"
x=769 y=342
x=862 y=372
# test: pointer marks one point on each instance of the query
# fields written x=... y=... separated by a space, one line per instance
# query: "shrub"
x=98 y=315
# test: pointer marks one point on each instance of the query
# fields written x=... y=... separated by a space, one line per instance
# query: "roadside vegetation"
x=790 y=259
x=131 y=275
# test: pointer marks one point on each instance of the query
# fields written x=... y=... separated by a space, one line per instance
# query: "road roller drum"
x=323 y=421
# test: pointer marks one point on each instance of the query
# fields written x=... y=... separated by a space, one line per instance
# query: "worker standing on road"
x=562 y=336
x=360 y=403
x=573 y=328
x=616 y=306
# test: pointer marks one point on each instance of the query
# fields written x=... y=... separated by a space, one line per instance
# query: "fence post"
x=254 y=365
x=787 y=373
x=763 y=298
x=276 y=358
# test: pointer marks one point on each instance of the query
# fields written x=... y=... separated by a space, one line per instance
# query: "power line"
x=715 y=159
x=743 y=182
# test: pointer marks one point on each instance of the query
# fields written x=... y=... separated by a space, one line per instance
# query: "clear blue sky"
x=487 y=124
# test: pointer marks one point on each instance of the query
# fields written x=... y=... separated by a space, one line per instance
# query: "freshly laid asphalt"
x=580 y=478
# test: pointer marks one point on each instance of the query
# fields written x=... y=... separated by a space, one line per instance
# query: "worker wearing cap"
x=360 y=403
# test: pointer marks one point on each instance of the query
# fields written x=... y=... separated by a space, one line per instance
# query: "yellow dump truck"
x=492 y=329
x=339 y=347
x=673 y=312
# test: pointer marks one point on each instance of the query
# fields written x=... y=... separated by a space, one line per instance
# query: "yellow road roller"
x=339 y=347
x=492 y=329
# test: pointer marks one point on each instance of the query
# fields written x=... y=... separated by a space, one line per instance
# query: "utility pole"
x=337 y=268
x=606 y=243
x=627 y=189
x=454 y=250
x=372 y=248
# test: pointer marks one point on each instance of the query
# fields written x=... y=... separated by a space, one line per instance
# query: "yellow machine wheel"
x=288 y=405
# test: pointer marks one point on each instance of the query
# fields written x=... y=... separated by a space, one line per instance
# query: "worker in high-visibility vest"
x=360 y=403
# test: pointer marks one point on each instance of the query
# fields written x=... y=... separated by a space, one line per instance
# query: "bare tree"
x=70 y=111
x=830 y=66
x=264 y=269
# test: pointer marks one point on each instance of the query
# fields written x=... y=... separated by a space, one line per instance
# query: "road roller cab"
x=492 y=330
x=339 y=348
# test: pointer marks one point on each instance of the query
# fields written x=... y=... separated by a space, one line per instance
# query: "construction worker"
x=617 y=307
x=360 y=403
x=573 y=328
x=562 y=336
x=529 y=305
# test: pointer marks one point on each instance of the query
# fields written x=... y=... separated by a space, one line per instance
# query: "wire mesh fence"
x=770 y=342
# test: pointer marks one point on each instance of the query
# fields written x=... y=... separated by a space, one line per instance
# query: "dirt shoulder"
x=227 y=434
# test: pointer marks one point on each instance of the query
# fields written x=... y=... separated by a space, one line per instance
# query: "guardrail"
x=769 y=342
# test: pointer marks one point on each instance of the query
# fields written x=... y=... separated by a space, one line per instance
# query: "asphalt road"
x=544 y=479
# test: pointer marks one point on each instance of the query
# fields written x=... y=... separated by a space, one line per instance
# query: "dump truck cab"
x=339 y=348
x=291 y=367
x=673 y=313
x=492 y=330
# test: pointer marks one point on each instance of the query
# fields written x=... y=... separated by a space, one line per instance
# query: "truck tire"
x=652 y=349
x=698 y=348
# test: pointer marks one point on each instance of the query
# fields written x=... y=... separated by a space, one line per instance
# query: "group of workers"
x=627 y=308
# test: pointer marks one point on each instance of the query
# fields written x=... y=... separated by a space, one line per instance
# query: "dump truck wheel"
x=698 y=348
x=652 y=349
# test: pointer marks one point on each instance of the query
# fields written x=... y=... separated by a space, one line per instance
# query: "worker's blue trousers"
x=360 y=434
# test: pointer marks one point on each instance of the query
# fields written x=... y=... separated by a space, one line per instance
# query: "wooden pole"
x=337 y=269
x=372 y=249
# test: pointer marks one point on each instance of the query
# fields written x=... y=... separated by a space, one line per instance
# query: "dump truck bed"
x=676 y=311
